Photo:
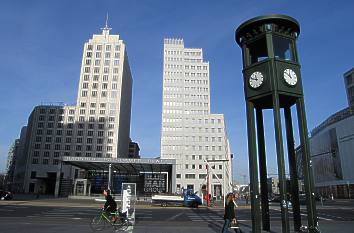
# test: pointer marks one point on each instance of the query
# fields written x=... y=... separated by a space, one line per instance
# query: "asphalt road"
x=74 y=216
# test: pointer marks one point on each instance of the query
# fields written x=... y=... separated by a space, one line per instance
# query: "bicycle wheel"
x=121 y=227
x=98 y=223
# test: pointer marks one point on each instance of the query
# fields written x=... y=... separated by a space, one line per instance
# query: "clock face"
x=256 y=79
x=290 y=77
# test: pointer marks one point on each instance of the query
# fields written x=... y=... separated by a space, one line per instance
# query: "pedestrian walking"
x=230 y=215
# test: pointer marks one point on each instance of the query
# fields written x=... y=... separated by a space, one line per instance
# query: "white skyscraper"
x=190 y=133
x=104 y=98
x=97 y=126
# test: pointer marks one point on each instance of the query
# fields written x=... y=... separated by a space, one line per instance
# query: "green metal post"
x=281 y=166
x=263 y=170
x=292 y=168
x=253 y=170
x=306 y=163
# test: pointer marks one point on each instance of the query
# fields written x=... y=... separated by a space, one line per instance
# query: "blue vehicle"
x=188 y=199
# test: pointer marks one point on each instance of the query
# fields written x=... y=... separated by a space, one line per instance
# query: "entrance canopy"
x=122 y=165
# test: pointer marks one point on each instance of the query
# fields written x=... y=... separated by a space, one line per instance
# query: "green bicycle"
x=100 y=222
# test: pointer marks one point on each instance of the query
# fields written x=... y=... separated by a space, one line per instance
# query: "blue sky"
x=41 y=48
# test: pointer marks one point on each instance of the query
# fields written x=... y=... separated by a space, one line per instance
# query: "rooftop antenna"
x=106 y=29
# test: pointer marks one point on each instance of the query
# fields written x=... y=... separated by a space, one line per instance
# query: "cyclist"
x=110 y=206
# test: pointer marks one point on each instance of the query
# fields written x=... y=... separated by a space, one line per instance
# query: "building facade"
x=190 y=133
x=97 y=126
x=332 y=146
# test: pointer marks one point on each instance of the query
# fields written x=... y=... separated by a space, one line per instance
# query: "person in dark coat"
x=110 y=206
x=229 y=214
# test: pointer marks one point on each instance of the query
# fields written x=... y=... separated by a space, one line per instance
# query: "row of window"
x=89 y=133
x=50 y=117
x=67 y=140
x=85 y=85
x=191 y=138
x=179 y=96
x=193 y=148
x=92 y=105
x=191 y=112
x=97 y=62
x=99 y=47
x=92 y=125
x=96 y=70
x=45 y=161
x=201 y=176
x=186 y=67
x=180 y=52
x=191 y=120
x=180 y=59
x=96 y=77
x=77 y=147
x=99 y=54
x=104 y=94
x=179 y=89
x=51 y=110
x=193 y=82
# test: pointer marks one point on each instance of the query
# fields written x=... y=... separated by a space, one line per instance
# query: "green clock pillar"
x=272 y=80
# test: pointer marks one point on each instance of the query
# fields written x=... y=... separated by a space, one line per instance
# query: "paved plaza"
x=62 y=215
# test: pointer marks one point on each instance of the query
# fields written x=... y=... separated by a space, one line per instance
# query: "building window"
x=83 y=93
x=258 y=51
x=190 y=176
x=178 y=176
x=34 y=161
x=36 y=153
x=45 y=161
x=99 y=141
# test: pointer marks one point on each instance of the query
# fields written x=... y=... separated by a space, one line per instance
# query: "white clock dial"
x=290 y=77
x=256 y=79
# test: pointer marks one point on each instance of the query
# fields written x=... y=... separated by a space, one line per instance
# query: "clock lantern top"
x=270 y=60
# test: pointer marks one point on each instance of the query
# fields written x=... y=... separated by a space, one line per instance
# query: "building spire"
x=106 y=29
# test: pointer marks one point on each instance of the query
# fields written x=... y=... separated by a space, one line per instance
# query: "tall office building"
x=103 y=106
x=190 y=133
x=97 y=126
